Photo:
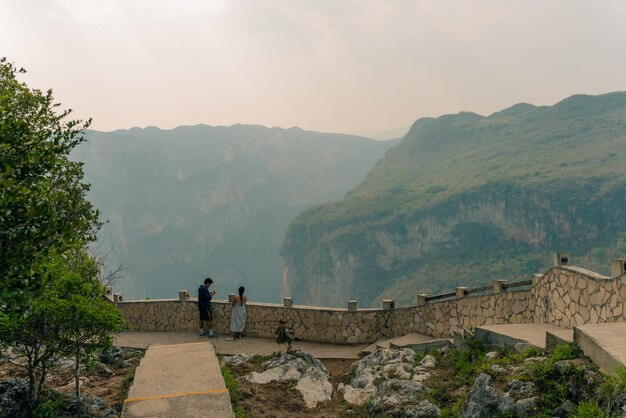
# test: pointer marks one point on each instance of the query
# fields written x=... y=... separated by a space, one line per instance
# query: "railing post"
x=618 y=267
x=117 y=297
x=352 y=305
x=183 y=295
x=560 y=259
x=499 y=286
x=388 y=304
x=287 y=302
x=231 y=297
x=421 y=299
x=109 y=291
x=460 y=292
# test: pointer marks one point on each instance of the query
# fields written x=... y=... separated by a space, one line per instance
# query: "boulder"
x=520 y=389
x=429 y=362
x=396 y=396
x=484 y=400
x=237 y=359
x=424 y=409
x=312 y=376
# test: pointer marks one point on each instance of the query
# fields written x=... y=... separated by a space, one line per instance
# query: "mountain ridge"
x=413 y=198
x=198 y=200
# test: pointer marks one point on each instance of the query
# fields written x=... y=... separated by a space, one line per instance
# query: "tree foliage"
x=70 y=318
x=43 y=210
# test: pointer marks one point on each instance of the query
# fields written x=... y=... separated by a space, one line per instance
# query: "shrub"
x=589 y=410
x=611 y=393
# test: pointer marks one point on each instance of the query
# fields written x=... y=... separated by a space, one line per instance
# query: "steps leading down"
x=181 y=380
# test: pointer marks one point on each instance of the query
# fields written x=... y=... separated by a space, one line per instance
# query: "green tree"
x=43 y=210
x=70 y=318
x=89 y=319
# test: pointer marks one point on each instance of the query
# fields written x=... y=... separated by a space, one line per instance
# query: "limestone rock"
x=524 y=406
x=423 y=409
x=520 y=389
x=312 y=376
x=236 y=360
x=484 y=401
x=356 y=396
x=496 y=368
x=396 y=396
x=428 y=362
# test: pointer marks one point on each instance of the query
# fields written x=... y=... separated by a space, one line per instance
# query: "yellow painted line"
x=175 y=395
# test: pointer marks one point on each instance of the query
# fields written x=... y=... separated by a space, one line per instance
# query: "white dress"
x=238 y=319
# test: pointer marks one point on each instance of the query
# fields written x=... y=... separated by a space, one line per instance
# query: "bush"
x=611 y=393
x=589 y=410
x=565 y=352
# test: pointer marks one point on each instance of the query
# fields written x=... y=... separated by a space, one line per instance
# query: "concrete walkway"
x=605 y=344
x=247 y=345
x=178 y=380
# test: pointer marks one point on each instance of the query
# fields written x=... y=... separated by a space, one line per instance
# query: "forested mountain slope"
x=466 y=199
x=200 y=200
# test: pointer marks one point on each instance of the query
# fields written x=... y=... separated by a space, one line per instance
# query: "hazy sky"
x=340 y=66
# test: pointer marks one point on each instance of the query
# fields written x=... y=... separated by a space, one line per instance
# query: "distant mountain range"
x=194 y=201
x=465 y=199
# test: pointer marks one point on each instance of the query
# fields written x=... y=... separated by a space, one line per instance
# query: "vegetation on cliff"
x=469 y=199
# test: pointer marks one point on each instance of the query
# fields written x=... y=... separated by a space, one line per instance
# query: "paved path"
x=179 y=380
x=247 y=345
x=180 y=375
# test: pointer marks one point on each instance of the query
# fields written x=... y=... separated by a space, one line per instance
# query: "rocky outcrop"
x=312 y=376
x=484 y=401
x=390 y=381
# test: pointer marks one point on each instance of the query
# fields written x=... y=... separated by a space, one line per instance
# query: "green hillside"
x=469 y=199
x=194 y=201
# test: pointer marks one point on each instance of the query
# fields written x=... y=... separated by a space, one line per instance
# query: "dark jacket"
x=204 y=297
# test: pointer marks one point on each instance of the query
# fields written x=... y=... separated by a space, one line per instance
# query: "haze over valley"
x=463 y=199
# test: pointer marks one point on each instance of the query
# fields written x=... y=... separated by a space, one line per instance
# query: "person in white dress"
x=238 y=318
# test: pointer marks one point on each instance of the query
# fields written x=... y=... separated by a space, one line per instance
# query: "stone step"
x=417 y=342
x=604 y=344
x=518 y=337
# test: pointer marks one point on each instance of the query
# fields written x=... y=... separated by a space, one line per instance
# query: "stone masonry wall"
x=563 y=296
x=441 y=319
x=571 y=296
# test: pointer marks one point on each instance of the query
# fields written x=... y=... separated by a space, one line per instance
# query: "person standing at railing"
x=204 y=306
x=238 y=317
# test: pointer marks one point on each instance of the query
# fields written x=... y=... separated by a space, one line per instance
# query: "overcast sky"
x=336 y=66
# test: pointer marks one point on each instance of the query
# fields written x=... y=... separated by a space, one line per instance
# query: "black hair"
x=208 y=280
x=241 y=290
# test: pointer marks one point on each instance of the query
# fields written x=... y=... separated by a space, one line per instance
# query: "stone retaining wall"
x=563 y=296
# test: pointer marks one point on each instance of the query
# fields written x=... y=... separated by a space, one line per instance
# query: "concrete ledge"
x=517 y=337
x=603 y=344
